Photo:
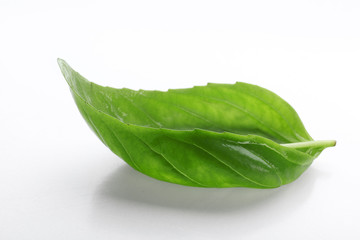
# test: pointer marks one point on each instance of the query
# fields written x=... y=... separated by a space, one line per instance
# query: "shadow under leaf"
x=128 y=185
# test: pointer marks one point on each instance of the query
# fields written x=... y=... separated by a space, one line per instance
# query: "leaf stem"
x=319 y=143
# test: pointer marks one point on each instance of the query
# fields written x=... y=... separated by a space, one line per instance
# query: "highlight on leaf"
x=218 y=135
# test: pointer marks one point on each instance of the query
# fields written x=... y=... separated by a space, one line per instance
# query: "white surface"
x=57 y=181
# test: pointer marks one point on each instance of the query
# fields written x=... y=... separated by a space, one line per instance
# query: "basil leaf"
x=219 y=135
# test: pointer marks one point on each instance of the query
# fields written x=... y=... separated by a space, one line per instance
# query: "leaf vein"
x=222 y=162
x=142 y=110
x=188 y=111
x=168 y=161
x=119 y=141
x=241 y=109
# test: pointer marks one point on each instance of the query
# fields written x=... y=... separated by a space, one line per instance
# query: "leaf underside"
x=219 y=135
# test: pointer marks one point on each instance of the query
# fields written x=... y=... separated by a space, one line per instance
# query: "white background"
x=57 y=180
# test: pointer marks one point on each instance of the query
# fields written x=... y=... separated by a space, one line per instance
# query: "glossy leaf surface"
x=219 y=135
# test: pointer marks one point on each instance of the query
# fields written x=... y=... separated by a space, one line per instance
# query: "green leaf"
x=219 y=135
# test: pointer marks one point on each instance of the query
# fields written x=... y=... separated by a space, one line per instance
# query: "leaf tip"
x=62 y=64
x=60 y=61
x=67 y=71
